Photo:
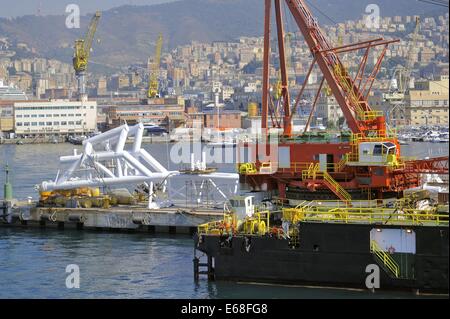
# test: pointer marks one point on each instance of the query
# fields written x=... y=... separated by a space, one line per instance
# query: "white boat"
x=10 y=92
x=436 y=140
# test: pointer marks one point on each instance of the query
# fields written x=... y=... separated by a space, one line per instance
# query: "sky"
x=14 y=8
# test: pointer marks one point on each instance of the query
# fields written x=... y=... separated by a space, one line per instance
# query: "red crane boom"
x=351 y=94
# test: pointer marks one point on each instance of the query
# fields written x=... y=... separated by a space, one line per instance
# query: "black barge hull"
x=329 y=255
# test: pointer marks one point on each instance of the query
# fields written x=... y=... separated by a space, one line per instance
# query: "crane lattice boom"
x=83 y=46
x=153 y=88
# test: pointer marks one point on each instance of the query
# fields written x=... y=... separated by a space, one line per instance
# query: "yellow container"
x=45 y=195
x=253 y=109
x=95 y=192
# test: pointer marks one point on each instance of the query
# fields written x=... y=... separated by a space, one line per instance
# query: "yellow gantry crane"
x=82 y=53
x=153 y=87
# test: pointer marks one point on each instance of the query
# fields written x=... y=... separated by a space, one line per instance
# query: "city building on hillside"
x=161 y=111
x=224 y=119
x=427 y=104
x=55 y=117
x=328 y=110
x=6 y=116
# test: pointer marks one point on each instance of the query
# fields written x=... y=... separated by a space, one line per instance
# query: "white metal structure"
x=105 y=162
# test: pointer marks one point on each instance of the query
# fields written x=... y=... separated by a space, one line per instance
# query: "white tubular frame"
x=135 y=166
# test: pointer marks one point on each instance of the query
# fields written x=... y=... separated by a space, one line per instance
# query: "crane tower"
x=81 y=56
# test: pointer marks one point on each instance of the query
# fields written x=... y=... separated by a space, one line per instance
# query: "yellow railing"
x=311 y=172
x=314 y=172
x=247 y=168
x=221 y=227
x=341 y=164
x=358 y=215
x=295 y=215
x=354 y=100
x=295 y=167
x=378 y=136
x=337 y=187
x=385 y=258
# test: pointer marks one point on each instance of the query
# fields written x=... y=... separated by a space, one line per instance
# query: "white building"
x=227 y=93
x=55 y=117
x=328 y=109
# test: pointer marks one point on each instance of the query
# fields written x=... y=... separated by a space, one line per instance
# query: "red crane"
x=341 y=167
x=351 y=93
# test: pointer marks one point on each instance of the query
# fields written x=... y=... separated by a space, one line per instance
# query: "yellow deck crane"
x=153 y=87
x=81 y=55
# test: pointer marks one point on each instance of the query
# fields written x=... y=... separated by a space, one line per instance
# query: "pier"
x=174 y=220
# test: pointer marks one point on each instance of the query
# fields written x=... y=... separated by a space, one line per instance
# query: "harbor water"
x=120 y=265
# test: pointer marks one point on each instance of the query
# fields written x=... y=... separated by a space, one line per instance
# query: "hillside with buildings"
x=127 y=34
x=199 y=77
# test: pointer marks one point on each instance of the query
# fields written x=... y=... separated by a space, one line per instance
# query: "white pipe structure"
x=93 y=168
x=135 y=166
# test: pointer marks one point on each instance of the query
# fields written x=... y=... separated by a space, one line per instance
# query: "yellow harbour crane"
x=277 y=87
x=340 y=42
x=153 y=87
x=82 y=53
x=402 y=77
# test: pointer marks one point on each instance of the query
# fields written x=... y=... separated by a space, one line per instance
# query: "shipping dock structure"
x=337 y=208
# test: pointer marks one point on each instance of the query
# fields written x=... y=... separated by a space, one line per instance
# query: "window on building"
x=63 y=123
x=56 y=123
x=49 y=115
x=19 y=116
x=19 y=124
x=41 y=123
x=71 y=123
x=34 y=115
x=26 y=124
x=49 y=123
